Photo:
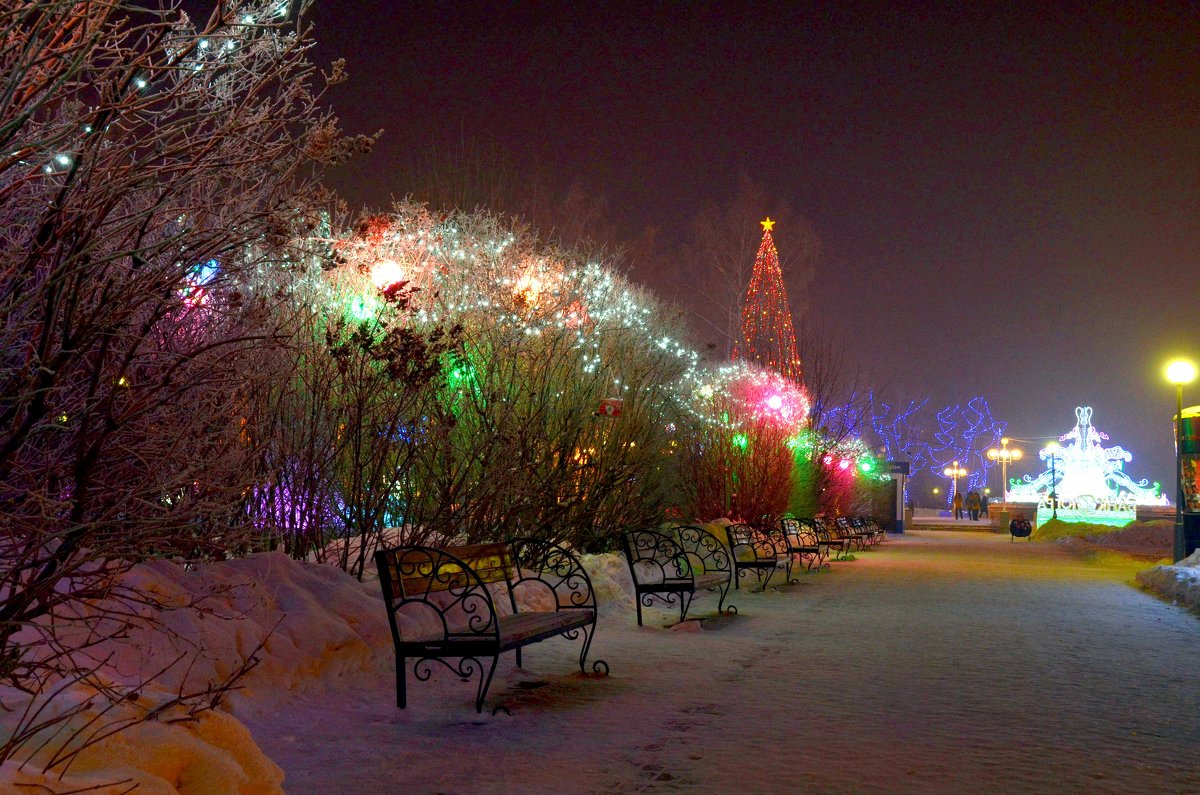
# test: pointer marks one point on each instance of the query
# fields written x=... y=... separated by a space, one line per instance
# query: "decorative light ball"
x=775 y=402
x=844 y=463
x=386 y=272
x=828 y=460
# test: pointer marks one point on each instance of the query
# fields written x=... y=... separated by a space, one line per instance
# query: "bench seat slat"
x=524 y=627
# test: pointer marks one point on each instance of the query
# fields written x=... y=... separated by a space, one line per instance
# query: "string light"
x=768 y=336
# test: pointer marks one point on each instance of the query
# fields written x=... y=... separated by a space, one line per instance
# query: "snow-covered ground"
x=939 y=662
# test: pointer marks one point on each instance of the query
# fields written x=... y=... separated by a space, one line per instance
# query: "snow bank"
x=1180 y=582
x=310 y=627
x=1151 y=539
x=209 y=754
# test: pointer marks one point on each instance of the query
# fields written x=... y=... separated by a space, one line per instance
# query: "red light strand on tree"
x=768 y=336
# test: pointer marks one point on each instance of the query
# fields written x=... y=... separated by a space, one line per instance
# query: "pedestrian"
x=983 y=504
x=957 y=505
x=973 y=505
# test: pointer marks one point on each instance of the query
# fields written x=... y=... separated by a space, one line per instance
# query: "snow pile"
x=210 y=754
x=1180 y=582
x=315 y=624
x=308 y=626
x=1151 y=539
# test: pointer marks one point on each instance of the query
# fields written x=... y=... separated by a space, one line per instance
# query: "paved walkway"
x=939 y=662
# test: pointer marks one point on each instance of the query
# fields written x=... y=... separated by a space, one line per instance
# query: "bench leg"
x=685 y=601
x=638 y=600
x=723 y=591
x=401 y=685
x=588 y=633
x=767 y=581
x=485 y=680
x=518 y=656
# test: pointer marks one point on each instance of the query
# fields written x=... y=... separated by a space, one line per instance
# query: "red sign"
x=610 y=407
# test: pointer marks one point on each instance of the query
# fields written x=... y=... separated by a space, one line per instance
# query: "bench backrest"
x=800 y=532
x=655 y=557
x=748 y=544
x=706 y=553
x=416 y=571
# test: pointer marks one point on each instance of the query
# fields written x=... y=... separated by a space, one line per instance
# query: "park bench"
x=673 y=567
x=829 y=537
x=871 y=530
x=856 y=537
x=803 y=542
x=760 y=552
x=464 y=600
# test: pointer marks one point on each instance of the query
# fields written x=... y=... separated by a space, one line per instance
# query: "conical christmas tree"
x=768 y=337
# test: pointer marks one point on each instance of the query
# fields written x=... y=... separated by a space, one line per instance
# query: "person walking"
x=973 y=504
x=958 y=502
x=984 y=509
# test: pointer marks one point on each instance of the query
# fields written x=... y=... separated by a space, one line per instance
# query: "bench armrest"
x=704 y=550
x=439 y=591
x=659 y=553
x=548 y=566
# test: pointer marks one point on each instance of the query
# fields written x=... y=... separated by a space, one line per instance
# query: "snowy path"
x=941 y=662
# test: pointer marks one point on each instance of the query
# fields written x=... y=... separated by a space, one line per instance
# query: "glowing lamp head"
x=1015 y=454
x=1181 y=372
x=993 y=454
x=386 y=272
x=775 y=402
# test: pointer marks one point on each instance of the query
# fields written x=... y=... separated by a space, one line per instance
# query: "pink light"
x=844 y=463
x=775 y=402
x=386 y=272
x=828 y=460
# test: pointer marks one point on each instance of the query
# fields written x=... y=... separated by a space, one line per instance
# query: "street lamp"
x=1051 y=451
x=1004 y=454
x=954 y=472
x=1179 y=372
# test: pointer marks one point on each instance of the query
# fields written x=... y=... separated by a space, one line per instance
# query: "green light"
x=866 y=466
x=741 y=441
x=363 y=307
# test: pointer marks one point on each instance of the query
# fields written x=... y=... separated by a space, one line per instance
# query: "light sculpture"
x=768 y=337
x=1086 y=480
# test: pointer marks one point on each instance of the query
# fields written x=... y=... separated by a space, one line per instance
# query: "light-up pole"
x=1004 y=454
x=1179 y=372
x=954 y=472
x=1051 y=451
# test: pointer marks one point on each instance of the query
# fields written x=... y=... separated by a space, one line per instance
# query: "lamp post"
x=1004 y=454
x=1179 y=372
x=1051 y=452
x=954 y=472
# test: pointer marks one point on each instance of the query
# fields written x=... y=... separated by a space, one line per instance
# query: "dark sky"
x=1008 y=196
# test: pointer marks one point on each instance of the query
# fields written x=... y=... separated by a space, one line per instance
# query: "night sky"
x=1008 y=198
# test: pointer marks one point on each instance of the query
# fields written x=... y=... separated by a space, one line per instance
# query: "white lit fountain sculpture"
x=1087 y=478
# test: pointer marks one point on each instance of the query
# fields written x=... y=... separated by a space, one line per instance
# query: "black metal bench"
x=756 y=551
x=803 y=542
x=459 y=596
x=868 y=528
x=855 y=536
x=673 y=567
x=829 y=537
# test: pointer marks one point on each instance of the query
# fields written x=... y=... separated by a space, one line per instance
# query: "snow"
x=327 y=629
x=1180 y=582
